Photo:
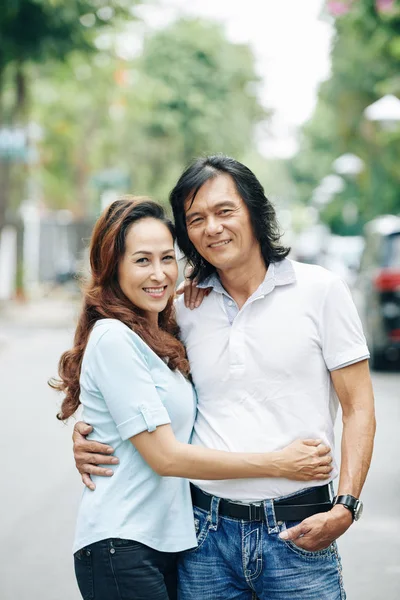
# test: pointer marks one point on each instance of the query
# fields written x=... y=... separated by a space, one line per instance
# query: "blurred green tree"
x=189 y=92
x=365 y=66
x=194 y=93
x=33 y=31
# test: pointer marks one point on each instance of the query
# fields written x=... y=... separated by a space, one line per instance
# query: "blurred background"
x=103 y=97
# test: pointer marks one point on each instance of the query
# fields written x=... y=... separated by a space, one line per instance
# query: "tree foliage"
x=365 y=66
x=189 y=92
x=36 y=31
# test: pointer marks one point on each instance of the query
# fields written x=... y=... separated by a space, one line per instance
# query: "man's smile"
x=219 y=244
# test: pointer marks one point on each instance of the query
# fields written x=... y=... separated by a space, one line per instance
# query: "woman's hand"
x=88 y=454
x=305 y=460
x=193 y=296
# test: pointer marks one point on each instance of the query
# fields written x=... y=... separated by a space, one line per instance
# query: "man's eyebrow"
x=225 y=203
x=229 y=203
x=191 y=215
x=150 y=253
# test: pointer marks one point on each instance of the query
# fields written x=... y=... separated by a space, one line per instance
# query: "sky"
x=291 y=45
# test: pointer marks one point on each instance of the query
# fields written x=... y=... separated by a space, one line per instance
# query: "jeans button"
x=112 y=550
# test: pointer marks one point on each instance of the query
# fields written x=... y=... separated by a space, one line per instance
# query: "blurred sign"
x=115 y=179
x=13 y=144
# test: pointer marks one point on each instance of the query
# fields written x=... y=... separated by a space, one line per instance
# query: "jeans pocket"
x=120 y=544
x=324 y=553
x=84 y=573
x=202 y=526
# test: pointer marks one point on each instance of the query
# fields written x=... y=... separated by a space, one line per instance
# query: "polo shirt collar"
x=278 y=273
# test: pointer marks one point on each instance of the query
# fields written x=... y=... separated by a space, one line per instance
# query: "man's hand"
x=319 y=531
x=88 y=454
x=193 y=296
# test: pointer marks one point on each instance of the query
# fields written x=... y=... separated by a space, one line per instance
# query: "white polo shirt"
x=262 y=373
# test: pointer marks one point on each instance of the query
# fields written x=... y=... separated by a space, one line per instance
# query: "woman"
x=130 y=372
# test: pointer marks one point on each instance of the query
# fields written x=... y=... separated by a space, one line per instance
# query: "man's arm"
x=354 y=389
x=89 y=454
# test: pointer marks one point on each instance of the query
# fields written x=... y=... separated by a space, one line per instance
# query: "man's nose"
x=213 y=226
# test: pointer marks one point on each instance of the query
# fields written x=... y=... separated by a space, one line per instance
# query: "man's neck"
x=241 y=282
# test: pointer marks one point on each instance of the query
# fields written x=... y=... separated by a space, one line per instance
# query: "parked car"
x=342 y=255
x=378 y=289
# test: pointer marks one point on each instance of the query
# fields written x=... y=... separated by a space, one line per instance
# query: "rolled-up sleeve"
x=342 y=336
x=120 y=371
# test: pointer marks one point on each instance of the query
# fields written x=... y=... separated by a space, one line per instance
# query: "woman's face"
x=148 y=271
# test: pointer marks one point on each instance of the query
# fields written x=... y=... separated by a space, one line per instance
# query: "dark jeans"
x=117 y=569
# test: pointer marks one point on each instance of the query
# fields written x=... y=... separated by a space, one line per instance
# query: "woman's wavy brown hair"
x=104 y=299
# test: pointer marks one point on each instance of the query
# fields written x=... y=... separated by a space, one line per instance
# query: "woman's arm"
x=303 y=460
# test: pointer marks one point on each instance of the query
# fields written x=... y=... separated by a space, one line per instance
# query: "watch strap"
x=348 y=501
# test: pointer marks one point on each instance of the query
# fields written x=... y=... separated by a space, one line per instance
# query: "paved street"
x=40 y=488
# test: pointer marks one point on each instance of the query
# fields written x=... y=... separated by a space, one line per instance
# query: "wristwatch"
x=354 y=505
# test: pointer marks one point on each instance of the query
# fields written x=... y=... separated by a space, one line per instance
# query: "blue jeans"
x=246 y=560
x=117 y=569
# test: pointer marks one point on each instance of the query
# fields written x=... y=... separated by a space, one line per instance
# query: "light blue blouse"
x=126 y=389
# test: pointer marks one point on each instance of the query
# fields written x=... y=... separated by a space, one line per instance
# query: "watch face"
x=358 y=509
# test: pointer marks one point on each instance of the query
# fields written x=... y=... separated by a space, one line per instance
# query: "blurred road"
x=40 y=489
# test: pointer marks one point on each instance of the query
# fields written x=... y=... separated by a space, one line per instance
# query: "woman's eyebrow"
x=150 y=253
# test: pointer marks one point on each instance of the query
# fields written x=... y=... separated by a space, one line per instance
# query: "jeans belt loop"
x=214 y=512
x=270 y=516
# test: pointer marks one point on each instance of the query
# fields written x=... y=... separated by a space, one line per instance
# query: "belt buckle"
x=255 y=512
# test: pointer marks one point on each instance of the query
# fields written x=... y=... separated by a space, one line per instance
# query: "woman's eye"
x=195 y=221
x=224 y=211
x=169 y=258
x=142 y=261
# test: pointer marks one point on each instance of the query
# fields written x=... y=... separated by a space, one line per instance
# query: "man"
x=272 y=348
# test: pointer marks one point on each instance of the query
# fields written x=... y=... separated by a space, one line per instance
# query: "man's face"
x=218 y=224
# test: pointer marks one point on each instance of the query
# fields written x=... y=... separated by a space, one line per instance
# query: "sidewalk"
x=58 y=311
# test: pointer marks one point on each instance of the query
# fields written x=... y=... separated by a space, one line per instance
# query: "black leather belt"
x=295 y=508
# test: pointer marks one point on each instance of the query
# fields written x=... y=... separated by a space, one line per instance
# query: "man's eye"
x=225 y=211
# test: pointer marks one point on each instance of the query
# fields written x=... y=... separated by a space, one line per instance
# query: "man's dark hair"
x=262 y=213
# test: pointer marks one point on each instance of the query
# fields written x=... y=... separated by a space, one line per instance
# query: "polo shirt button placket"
x=237 y=348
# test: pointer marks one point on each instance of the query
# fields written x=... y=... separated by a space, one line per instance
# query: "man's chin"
x=223 y=265
x=220 y=262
